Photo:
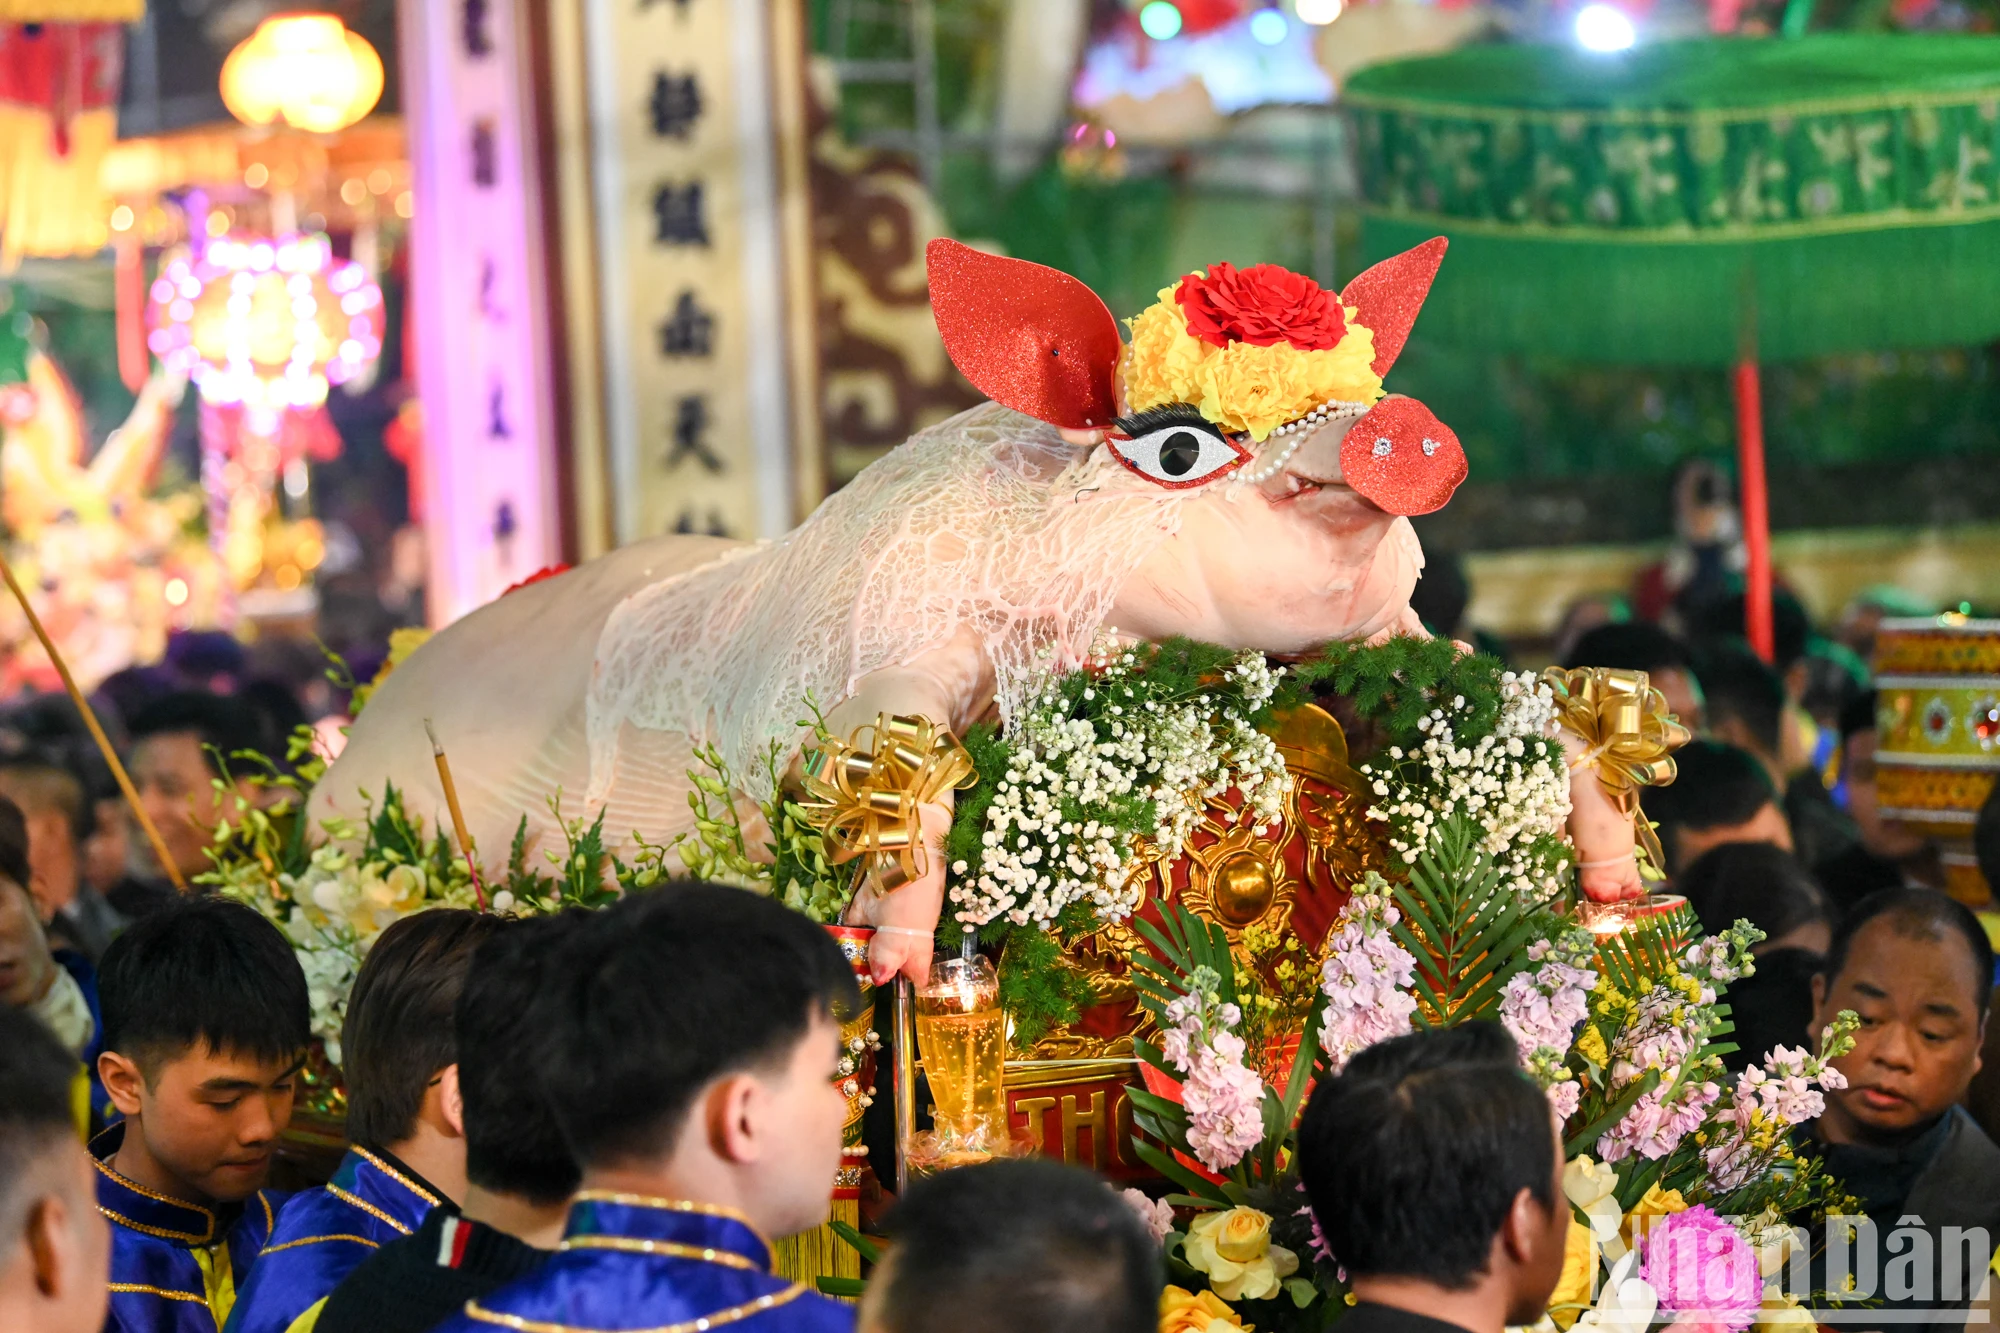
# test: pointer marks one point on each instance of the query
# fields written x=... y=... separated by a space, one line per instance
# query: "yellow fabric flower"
x=402 y=642
x=1183 y=1311
x=1579 y=1267
x=1234 y=1248
x=1242 y=387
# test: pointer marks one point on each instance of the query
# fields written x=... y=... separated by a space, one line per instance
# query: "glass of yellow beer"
x=961 y=1035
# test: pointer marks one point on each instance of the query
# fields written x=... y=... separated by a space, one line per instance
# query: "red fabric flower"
x=1262 y=304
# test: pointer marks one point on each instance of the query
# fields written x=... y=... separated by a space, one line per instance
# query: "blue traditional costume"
x=630 y=1262
x=174 y=1266
x=324 y=1234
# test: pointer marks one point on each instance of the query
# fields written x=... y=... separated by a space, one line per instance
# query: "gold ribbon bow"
x=864 y=797
x=1628 y=736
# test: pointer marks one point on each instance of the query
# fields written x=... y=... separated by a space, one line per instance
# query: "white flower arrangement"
x=1513 y=783
x=1053 y=836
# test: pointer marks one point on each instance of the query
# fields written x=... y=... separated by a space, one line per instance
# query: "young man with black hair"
x=52 y=800
x=1448 y=1105
x=1917 y=968
x=1749 y=708
x=687 y=1041
x=1890 y=854
x=206 y=1021
x=519 y=1173
x=1027 y=1244
x=182 y=745
x=1766 y=886
x=1720 y=794
x=54 y=1245
x=57 y=986
x=400 y=1062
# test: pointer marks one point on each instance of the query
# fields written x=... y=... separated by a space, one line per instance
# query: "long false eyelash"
x=1166 y=414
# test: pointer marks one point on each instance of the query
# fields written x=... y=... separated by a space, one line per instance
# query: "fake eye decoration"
x=1176 y=447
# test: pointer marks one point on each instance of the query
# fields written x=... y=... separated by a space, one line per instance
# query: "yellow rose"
x=1234 y=1248
x=1591 y=1187
x=1183 y=1311
x=1579 y=1267
x=1656 y=1203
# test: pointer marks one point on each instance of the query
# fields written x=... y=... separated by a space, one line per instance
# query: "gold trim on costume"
x=669 y=1205
x=701 y=1325
x=270 y=1218
x=398 y=1177
x=632 y=1244
x=315 y=1240
x=161 y=1232
x=143 y=1192
x=366 y=1207
x=140 y=1288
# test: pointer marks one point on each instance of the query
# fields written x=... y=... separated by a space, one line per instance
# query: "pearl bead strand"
x=1329 y=410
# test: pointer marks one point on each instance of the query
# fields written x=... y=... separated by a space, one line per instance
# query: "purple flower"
x=1703 y=1269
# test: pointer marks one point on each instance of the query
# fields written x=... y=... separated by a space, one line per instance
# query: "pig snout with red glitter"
x=1401 y=457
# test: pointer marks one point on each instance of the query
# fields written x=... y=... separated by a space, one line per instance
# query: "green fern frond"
x=1467 y=928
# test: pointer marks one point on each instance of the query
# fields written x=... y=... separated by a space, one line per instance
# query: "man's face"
x=1677 y=686
x=1918 y=1045
x=1886 y=838
x=176 y=786
x=1530 y=1299
x=103 y=853
x=209 y=1120
x=804 y=1113
x=1767 y=825
x=25 y=963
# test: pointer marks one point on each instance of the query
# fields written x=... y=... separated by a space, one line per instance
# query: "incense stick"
x=457 y=814
x=96 y=730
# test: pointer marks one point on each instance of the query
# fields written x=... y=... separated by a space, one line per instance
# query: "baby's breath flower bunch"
x=1103 y=759
x=1512 y=782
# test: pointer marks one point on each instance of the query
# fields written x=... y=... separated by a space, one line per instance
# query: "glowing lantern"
x=265 y=323
x=303 y=70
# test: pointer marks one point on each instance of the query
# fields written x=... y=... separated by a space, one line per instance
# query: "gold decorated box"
x=1938 y=733
x=1066 y=1095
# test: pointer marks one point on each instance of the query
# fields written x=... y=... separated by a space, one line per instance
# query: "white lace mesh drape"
x=986 y=521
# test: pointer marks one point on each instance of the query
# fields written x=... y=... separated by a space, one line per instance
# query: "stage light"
x=1319 y=13
x=1601 y=27
x=1268 y=26
x=1160 y=20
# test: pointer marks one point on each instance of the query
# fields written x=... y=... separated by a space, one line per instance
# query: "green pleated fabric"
x=1838 y=193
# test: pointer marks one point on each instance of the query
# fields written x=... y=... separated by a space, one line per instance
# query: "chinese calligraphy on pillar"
x=482 y=347
x=697 y=168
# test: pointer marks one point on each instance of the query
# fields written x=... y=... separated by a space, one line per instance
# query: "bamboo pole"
x=457 y=815
x=96 y=730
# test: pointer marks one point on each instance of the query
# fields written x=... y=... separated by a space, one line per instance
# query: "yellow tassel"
x=819 y=1253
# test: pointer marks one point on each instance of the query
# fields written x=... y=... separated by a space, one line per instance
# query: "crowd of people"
x=599 y=1120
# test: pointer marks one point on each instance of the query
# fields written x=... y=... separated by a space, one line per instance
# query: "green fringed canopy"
x=1634 y=207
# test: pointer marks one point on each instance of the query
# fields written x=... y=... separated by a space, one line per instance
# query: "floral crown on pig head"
x=1226 y=374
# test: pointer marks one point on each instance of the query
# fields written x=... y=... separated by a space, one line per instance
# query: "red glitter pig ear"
x=1390 y=294
x=1402 y=457
x=1027 y=336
